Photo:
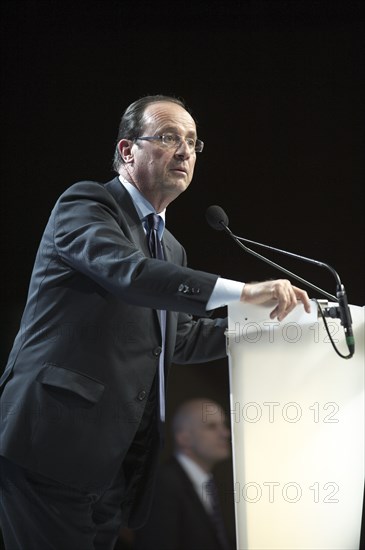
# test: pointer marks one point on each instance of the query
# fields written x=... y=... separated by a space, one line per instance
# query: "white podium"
x=297 y=419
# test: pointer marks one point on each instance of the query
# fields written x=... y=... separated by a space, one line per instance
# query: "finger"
x=296 y=295
x=280 y=309
x=282 y=294
x=304 y=298
x=287 y=300
x=274 y=313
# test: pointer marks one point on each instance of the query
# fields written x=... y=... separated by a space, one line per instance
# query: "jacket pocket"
x=59 y=377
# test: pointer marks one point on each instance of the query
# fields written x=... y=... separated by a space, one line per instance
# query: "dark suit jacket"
x=178 y=519
x=83 y=363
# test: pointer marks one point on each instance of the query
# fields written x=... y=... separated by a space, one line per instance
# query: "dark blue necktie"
x=156 y=250
x=216 y=513
x=154 y=243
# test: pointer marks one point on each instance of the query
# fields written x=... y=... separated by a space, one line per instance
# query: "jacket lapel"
x=132 y=226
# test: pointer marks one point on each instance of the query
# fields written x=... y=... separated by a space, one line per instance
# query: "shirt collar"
x=142 y=205
x=198 y=476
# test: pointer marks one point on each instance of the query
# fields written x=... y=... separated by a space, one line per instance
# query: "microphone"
x=218 y=219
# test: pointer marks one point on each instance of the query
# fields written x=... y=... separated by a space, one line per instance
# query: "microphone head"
x=216 y=217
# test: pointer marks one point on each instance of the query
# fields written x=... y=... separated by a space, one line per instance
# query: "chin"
x=182 y=181
x=177 y=188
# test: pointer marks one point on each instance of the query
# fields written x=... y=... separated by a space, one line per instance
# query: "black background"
x=278 y=91
x=277 y=88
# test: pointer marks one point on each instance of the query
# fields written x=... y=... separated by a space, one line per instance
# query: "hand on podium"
x=281 y=291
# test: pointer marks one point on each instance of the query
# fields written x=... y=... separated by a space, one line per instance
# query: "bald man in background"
x=184 y=513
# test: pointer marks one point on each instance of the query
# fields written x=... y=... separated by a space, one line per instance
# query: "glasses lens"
x=172 y=140
x=199 y=145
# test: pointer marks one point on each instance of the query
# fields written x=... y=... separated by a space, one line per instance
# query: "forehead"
x=207 y=414
x=167 y=115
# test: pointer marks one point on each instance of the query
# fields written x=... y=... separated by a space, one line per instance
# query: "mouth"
x=179 y=170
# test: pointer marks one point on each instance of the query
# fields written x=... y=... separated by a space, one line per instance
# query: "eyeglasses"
x=173 y=141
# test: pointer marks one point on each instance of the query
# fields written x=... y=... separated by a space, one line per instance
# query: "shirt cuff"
x=224 y=292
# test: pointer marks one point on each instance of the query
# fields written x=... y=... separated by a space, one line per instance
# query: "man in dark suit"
x=183 y=513
x=84 y=383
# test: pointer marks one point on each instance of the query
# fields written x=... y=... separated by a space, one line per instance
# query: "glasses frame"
x=198 y=148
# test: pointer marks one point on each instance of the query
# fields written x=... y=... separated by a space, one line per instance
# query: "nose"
x=225 y=432
x=183 y=150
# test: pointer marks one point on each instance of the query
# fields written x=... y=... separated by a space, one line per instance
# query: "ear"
x=125 y=150
x=183 y=439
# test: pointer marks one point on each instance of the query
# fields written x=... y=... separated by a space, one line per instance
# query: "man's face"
x=208 y=436
x=156 y=168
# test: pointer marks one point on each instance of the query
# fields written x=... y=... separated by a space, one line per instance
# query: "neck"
x=205 y=465
x=158 y=198
x=159 y=203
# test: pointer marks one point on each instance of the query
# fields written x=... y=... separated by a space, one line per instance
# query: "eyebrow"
x=175 y=130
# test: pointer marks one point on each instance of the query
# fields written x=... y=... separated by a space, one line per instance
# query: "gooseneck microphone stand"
x=218 y=219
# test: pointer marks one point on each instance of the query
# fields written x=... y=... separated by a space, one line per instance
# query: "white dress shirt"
x=198 y=477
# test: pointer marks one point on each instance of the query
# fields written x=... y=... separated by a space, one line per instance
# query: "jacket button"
x=157 y=351
x=141 y=395
x=183 y=288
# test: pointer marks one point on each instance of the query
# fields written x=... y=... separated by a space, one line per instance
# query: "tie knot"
x=153 y=221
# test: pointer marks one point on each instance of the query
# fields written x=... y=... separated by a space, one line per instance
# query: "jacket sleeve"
x=199 y=341
x=92 y=237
